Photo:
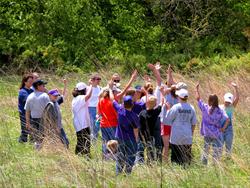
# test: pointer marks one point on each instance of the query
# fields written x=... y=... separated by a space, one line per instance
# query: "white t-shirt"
x=94 y=96
x=81 y=119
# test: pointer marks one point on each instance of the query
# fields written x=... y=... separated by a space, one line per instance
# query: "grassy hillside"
x=22 y=166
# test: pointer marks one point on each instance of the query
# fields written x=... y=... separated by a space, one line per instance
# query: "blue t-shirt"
x=22 y=97
x=127 y=122
x=171 y=100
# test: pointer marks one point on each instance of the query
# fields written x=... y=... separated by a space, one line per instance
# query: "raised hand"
x=157 y=65
x=146 y=78
x=134 y=75
x=234 y=84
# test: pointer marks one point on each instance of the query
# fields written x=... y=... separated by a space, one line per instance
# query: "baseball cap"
x=228 y=97
x=128 y=99
x=138 y=87
x=38 y=83
x=181 y=85
x=81 y=86
x=182 y=93
x=54 y=92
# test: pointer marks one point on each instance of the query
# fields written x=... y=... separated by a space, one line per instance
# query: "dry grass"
x=21 y=166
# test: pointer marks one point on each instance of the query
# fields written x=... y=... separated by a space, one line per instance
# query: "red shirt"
x=106 y=110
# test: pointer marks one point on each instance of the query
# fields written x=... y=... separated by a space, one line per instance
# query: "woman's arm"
x=236 y=94
x=133 y=77
x=197 y=92
x=89 y=93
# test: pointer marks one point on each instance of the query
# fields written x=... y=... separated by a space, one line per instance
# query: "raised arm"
x=236 y=94
x=133 y=77
x=89 y=93
x=65 y=83
x=156 y=71
x=170 y=79
x=197 y=92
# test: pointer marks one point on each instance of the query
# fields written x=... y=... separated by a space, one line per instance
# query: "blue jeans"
x=216 y=144
x=24 y=132
x=125 y=156
x=227 y=138
x=107 y=134
x=140 y=153
x=64 y=138
x=95 y=127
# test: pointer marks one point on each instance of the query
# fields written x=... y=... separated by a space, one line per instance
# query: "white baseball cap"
x=182 y=93
x=81 y=86
x=228 y=97
x=181 y=85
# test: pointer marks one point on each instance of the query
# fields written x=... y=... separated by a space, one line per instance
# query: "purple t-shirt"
x=211 y=123
x=138 y=107
x=127 y=121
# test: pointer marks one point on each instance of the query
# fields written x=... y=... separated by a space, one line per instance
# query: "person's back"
x=107 y=112
x=183 y=118
x=211 y=120
x=36 y=103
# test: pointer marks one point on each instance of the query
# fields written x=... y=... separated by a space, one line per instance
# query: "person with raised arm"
x=126 y=132
x=230 y=102
x=212 y=116
x=81 y=119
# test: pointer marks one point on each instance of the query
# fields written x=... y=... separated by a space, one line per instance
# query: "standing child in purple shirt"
x=126 y=134
x=212 y=116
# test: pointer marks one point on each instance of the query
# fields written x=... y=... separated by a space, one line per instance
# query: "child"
x=126 y=132
x=229 y=104
x=150 y=133
x=52 y=121
x=108 y=119
x=212 y=116
x=182 y=119
x=81 y=117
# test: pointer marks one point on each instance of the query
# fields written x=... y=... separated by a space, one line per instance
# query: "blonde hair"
x=151 y=103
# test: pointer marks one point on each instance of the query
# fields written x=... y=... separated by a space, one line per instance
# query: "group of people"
x=137 y=124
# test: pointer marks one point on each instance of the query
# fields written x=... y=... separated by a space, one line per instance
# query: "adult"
x=96 y=90
x=81 y=119
x=230 y=102
x=34 y=107
x=52 y=121
x=24 y=92
x=211 y=130
x=182 y=118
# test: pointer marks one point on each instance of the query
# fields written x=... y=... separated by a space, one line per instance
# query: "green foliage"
x=93 y=34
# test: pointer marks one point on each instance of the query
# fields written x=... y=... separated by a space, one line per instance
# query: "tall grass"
x=22 y=166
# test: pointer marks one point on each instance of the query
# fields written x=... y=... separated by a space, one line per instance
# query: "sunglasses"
x=116 y=81
x=98 y=79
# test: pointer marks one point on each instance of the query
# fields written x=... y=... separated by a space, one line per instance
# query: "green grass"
x=22 y=166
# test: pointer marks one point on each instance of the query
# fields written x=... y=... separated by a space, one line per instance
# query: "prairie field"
x=22 y=166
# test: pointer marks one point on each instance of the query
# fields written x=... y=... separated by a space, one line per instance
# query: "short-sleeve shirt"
x=211 y=123
x=127 y=122
x=150 y=124
x=22 y=97
x=229 y=111
x=108 y=113
x=138 y=107
x=94 y=96
x=181 y=117
x=36 y=103
x=81 y=119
